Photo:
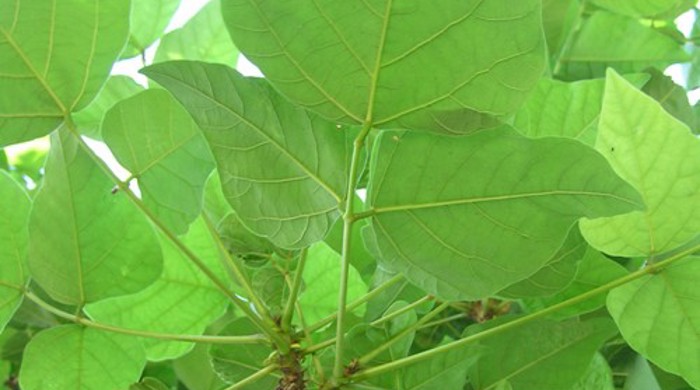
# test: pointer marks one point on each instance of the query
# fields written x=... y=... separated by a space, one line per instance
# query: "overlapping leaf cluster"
x=480 y=194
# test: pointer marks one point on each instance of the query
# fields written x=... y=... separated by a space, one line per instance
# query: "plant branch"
x=348 y=220
x=402 y=310
x=286 y=321
x=263 y=372
x=652 y=268
x=124 y=187
x=249 y=339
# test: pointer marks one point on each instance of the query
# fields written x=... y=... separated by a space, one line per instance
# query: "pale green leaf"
x=282 y=168
x=72 y=357
x=85 y=243
x=363 y=61
x=54 y=57
x=195 y=371
x=646 y=8
x=203 y=38
x=610 y=40
x=14 y=214
x=235 y=362
x=153 y=137
x=528 y=356
x=597 y=377
x=181 y=301
x=149 y=384
x=640 y=375
x=594 y=271
x=557 y=274
x=659 y=316
x=660 y=157
x=215 y=205
x=321 y=281
x=115 y=89
x=149 y=18
x=463 y=218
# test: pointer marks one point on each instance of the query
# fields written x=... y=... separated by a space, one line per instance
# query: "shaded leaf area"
x=148 y=21
x=73 y=357
x=557 y=273
x=55 y=58
x=14 y=215
x=364 y=61
x=453 y=214
x=181 y=301
x=598 y=376
x=236 y=362
x=620 y=42
x=658 y=316
x=672 y=97
x=149 y=384
x=153 y=137
x=85 y=243
x=647 y=8
x=660 y=157
x=594 y=271
x=403 y=290
x=321 y=280
x=116 y=89
x=203 y=38
x=194 y=370
x=559 y=18
x=282 y=168
x=549 y=355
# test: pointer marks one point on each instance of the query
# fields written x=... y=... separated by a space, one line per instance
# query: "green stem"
x=124 y=187
x=566 y=47
x=263 y=372
x=404 y=309
x=357 y=303
x=405 y=332
x=251 y=339
x=348 y=220
x=294 y=292
x=652 y=268
x=443 y=320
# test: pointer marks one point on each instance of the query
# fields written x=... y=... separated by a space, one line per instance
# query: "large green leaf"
x=148 y=20
x=203 y=38
x=72 y=357
x=182 y=301
x=85 y=243
x=282 y=168
x=54 y=56
x=660 y=157
x=557 y=274
x=14 y=214
x=465 y=217
x=321 y=281
x=549 y=355
x=610 y=40
x=658 y=315
x=363 y=61
x=154 y=138
x=646 y=8
x=115 y=89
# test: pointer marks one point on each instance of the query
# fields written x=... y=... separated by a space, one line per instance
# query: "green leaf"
x=456 y=232
x=235 y=362
x=647 y=8
x=610 y=40
x=215 y=205
x=672 y=97
x=195 y=371
x=73 y=357
x=558 y=19
x=543 y=348
x=660 y=157
x=363 y=61
x=557 y=274
x=594 y=271
x=363 y=261
x=85 y=243
x=402 y=290
x=239 y=241
x=148 y=21
x=321 y=281
x=283 y=169
x=149 y=384
x=182 y=301
x=659 y=317
x=597 y=377
x=640 y=376
x=154 y=138
x=55 y=58
x=14 y=214
x=203 y=38
x=116 y=88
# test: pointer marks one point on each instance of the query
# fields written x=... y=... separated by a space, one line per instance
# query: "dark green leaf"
x=672 y=97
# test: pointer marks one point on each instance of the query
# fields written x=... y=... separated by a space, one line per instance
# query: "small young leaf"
x=73 y=357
